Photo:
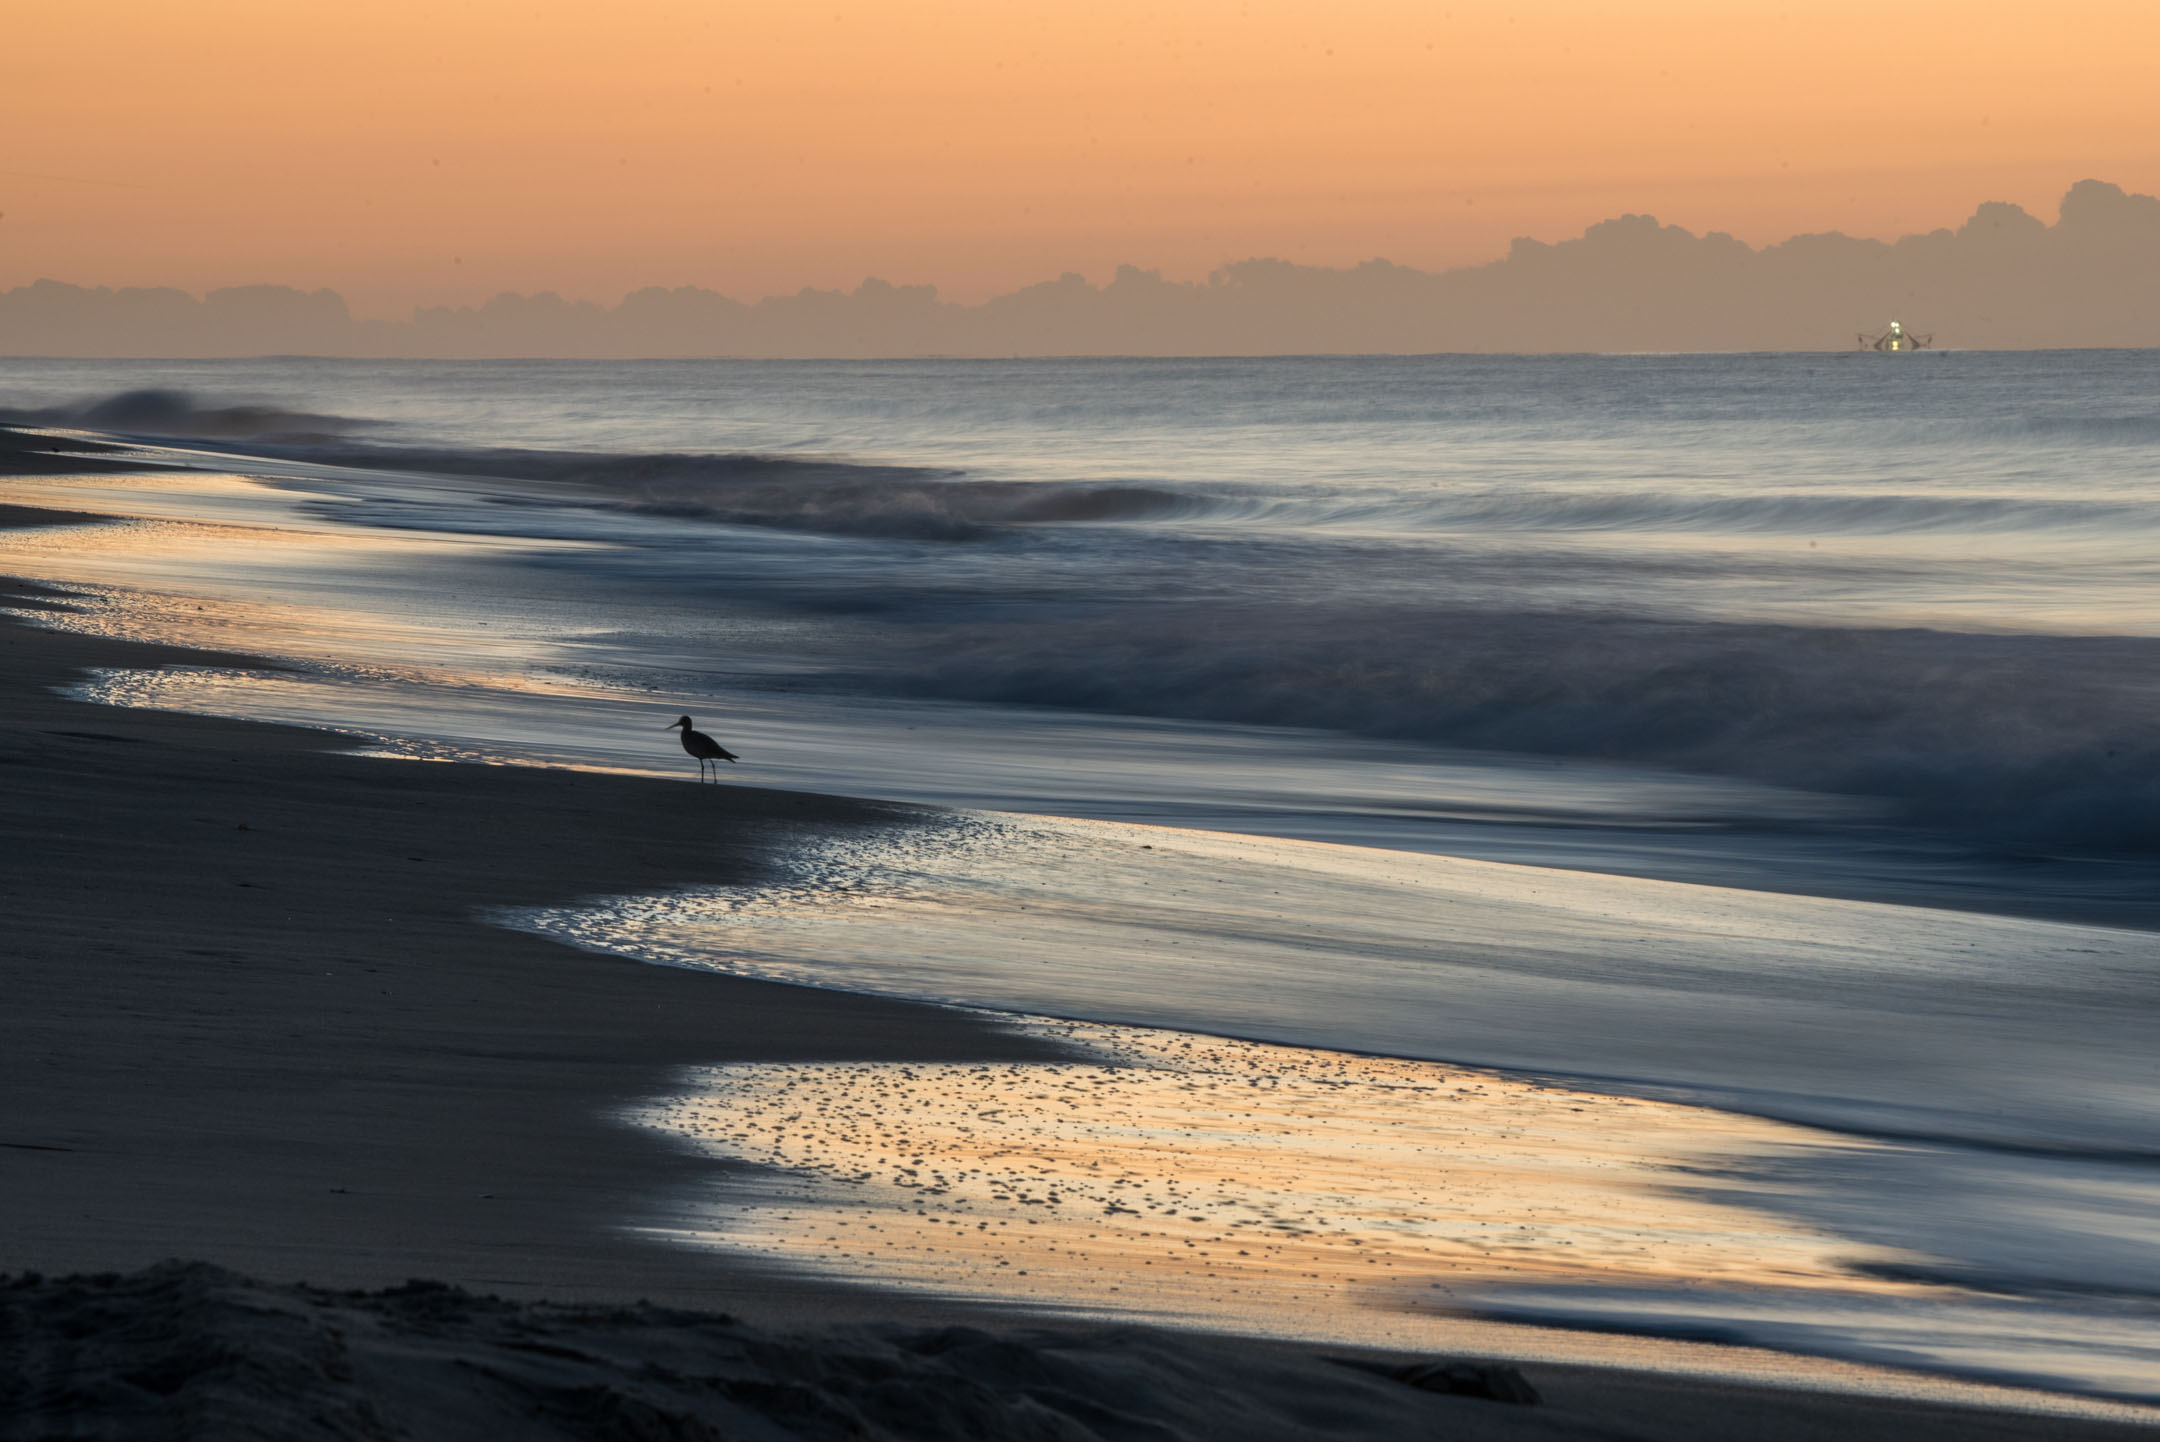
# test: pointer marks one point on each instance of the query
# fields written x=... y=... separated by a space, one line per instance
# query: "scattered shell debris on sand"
x=1190 y=1175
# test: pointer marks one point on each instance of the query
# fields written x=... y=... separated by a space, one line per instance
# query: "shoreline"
x=339 y=1075
x=394 y=1079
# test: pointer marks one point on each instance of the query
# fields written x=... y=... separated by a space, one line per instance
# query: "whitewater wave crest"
x=2034 y=740
x=833 y=496
x=182 y=416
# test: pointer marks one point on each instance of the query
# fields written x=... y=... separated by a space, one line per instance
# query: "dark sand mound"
x=186 y=1350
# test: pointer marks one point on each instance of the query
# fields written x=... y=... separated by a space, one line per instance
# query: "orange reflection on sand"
x=1198 y=1176
x=225 y=563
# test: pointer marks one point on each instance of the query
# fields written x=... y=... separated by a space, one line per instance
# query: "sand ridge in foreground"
x=186 y=1350
x=239 y=1358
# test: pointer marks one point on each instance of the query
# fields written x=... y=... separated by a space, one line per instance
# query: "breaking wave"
x=179 y=415
x=847 y=497
x=844 y=497
x=790 y=493
x=2032 y=740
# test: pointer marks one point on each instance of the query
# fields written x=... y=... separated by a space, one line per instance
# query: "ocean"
x=1770 y=735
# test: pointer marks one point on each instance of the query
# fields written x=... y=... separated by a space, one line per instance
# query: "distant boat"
x=1896 y=338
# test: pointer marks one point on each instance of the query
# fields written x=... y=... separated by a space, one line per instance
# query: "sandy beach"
x=254 y=1022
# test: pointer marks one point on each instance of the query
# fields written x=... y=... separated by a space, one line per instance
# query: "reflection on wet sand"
x=1216 y=1179
x=1351 y=1199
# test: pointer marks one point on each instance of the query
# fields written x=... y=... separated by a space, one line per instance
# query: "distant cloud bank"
x=2003 y=279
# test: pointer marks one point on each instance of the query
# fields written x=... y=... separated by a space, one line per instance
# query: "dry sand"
x=252 y=1021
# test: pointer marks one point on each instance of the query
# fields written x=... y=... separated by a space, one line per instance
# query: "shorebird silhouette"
x=698 y=744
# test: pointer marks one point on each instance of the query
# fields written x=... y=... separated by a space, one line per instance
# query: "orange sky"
x=407 y=152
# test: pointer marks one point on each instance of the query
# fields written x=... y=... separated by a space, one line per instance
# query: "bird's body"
x=703 y=747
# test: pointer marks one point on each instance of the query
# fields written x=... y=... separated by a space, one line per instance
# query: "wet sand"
x=1247 y=1184
x=252 y=1021
x=1335 y=1198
